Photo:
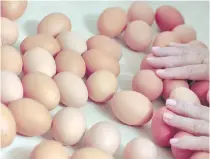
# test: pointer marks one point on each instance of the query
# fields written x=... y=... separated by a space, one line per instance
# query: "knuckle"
x=198 y=127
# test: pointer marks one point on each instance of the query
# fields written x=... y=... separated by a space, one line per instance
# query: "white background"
x=83 y=16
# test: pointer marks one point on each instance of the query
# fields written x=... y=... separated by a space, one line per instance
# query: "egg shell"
x=161 y=132
x=131 y=108
x=13 y=9
x=109 y=45
x=200 y=88
x=185 y=94
x=165 y=38
x=91 y=153
x=96 y=59
x=39 y=60
x=138 y=35
x=72 y=41
x=68 y=60
x=44 y=41
x=200 y=155
x=11 y=87
x=71 y=133
x=181 y=153
x=104 y=136
x=197 y=42
x=140 y=148
x=185 y=33
x=49 y=24
x=36 y=120
x=101 y=85
x=144 y=64
x=49 y=149
x=112 y=21
x=168 y=17
x=42 y=88
x=9 y=31
x=11 y=59
x=73 y=90
x=141 y=11
x=170 y=85
x=147 y=83
x=8 y=127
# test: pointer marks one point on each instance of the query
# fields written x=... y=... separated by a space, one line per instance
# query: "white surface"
x=83 y=16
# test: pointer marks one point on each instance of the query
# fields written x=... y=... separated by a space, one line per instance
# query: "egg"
x=141 y=11
x=109 y=45
x=53 y=24
x=147 y=83
x=11 y=87
x=73 y=90
x=71 y=133
x=8 y=127
x=144 y=64
x=68 y=60
x=112 y=22
x=42 y=88
x=201 y=88
x=44 y=41
x=39 y=60
x=138 y=35
x=165 y=38
x=161 y=132
x=185 y=94
x=101 y=85
x=11 y=59
x=49 y=149
x=32 y=118
x=13 y=9
x=167 y=18
x=104 y=136
x=96 y=59
x=200 y=155
x=181 y=153
x=139 y=148
x=131 y=108
x=72 y=41
x=170 y=85
x=91 y=153
x=9 y=31
x=185 y=33
x=197 y=42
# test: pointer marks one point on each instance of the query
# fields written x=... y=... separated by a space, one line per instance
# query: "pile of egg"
x=58 y=65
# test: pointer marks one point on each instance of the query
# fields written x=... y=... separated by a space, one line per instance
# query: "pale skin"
x=185 y=61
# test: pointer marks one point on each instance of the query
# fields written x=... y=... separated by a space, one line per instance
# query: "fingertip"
x=160 y=72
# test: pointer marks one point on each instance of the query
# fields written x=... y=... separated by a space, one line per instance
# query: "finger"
x=188 y=109
x=200 y=143
x=194 y=126
x=179 y=45
x=191 y=72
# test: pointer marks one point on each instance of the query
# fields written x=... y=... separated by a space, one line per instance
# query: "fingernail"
x=160 y=71
x=174 y=141
x=170 y=102
x=150 y=58
x=155 y=48
x=168 y=116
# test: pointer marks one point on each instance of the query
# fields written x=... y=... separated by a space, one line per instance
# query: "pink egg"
x=161 y=132
x=200 y=155
x=144 y=64
x=168 y=17
x=147 y=83
x=181 y=153
x=104 y=136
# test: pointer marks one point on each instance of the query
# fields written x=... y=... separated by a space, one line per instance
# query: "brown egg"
x=9 y=31
x=8 y=127
x=11 y=59
x=68 y=60
x=138 y=35
x=53 y=24
x=32 y=118
x=90 y=153
x=49 y=149
x=13 y=9
x=112 y=21
x=102 y=42
x=42 y=88
x=96 y=59
x=101 y=85
x=40 y=40
x=165 y=38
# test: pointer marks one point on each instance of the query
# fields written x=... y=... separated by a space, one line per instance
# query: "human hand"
x=181 y=61
x=190 y=118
